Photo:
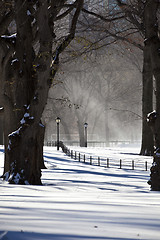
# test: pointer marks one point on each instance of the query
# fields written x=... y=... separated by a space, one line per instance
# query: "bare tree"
x=28 y=72
x=123 y=21
x=95 y=83
x=78 y=87
x=135 y=13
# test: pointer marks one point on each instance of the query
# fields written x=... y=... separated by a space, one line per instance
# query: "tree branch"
x=71 y=34
x=125 y=110
x=70 y=8
x=108 y=20
x=128 y=10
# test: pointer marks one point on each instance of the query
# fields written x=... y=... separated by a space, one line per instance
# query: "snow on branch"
x=10 y=39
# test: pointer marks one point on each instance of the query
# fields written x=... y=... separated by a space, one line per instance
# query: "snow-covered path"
x=79 y=201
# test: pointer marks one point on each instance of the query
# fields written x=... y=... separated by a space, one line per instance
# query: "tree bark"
x=1 y=128
x=147 y=103
x=24 y=153
x=80 y=124
x=153 y=43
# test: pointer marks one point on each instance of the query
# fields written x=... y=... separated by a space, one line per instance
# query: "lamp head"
x=85 y=125
x=58 y=120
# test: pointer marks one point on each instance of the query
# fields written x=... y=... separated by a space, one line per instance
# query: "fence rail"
x=93 y=143
x=105 y=162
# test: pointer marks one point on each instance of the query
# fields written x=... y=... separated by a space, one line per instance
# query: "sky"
x=79 y=201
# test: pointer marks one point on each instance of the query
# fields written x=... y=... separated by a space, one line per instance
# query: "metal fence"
x=94 y=143
x=137 y=164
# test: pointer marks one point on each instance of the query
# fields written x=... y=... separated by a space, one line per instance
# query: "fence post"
x=107 y=162
x=84 y=158
x=99 y=163
x=90 y=160
x=79 y=157
x=120 y=163
x=132 y=164
x=75 y=155
x=146 y=165
x=71 y=153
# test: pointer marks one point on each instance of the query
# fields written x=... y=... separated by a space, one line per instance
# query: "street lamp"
x=85 y=134
x=58 y=121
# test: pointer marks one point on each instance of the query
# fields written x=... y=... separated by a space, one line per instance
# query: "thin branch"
x=128 y=10
x=125 y=110
x=108 y=20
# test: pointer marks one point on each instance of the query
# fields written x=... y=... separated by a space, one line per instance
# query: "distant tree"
x=94 y=83
x=123 y=21
x=135 y=13
x=79 y=86
x=149 y=9
x=29 y=64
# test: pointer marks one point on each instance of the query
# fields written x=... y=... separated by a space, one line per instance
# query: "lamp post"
x=85 y=134
x=58 y=121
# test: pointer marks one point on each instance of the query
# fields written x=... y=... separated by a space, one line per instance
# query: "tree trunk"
x=40 y=138
x=80 y=123
x=9 y=125
x=81 y=133
x=27 y=99
x=153 y=43
x=106 y=122
x=1 y=128
x=147 y=103
x=66 y=131
x=154 y=180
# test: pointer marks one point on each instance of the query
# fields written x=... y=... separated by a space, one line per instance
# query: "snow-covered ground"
x=82 y=202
